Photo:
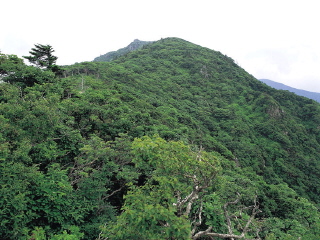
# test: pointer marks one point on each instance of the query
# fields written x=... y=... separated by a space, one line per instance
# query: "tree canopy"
x=171 y=141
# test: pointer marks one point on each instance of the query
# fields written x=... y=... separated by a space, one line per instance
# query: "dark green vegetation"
x=312 y=95
x=42 y=57
x=172 y=141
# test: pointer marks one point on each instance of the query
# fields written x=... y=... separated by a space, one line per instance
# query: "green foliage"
x=72 y=233
x=168 y=170
x=14 y=71
x=145 y=217
x=33 y=199
x=76 y=152
x=9 y=63
x=27 y=76
x=41 y=56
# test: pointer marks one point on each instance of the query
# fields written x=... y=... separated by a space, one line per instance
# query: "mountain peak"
x=135 y=45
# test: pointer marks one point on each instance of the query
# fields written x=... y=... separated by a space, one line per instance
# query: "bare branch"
x=196 y=223
x=189 y=200
x=202 y=233
x=114 y=192
x=255 y=211
x=231 y=235
x=227 y=216
x=220 y=235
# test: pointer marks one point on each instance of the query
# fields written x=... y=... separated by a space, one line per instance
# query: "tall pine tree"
x=42 y=57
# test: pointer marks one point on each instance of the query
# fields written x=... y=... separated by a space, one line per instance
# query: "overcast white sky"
x=273 y=39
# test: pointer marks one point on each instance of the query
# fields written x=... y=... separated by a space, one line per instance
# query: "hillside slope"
x=171 y=141
x=211 y=101
x=312 y=95
x=226 y=110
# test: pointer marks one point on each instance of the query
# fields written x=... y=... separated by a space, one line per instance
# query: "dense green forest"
x=171 y=141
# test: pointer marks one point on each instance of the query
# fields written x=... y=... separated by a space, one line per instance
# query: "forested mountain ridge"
x=312 y=95
x=135 y=45
x=171 y=141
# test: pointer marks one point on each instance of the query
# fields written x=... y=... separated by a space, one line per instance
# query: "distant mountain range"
x=312 y=95
x=135 y=45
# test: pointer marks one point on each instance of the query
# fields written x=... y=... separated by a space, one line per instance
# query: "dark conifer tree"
x=42 y=57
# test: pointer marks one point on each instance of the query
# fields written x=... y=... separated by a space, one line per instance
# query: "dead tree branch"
x=208 y=232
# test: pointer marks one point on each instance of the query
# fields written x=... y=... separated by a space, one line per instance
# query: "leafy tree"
x=9 y=64
x=31 y=199
x=168 y=202
x=28 y=76
x=14 y=71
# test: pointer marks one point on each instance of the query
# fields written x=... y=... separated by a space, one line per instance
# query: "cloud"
x=14 y=44
x=296 y=66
